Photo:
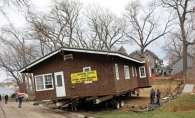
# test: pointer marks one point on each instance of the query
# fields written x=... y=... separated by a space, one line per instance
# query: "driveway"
x=28 y=110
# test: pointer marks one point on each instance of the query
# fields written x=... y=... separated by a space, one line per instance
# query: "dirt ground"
x=29 y=110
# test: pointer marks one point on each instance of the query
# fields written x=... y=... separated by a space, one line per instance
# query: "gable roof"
x=91 y=51
x=138 y=52
x=134 y=52
x=122 y=50
x=181 y=58
x=152 y=54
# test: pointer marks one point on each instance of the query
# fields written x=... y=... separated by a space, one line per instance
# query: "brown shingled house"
x=86 y=73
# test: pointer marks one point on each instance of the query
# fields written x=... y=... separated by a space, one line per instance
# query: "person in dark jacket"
x=158 y=96
x=20 y=101
x=6 y=99
x=152 y=95
x=0 y=97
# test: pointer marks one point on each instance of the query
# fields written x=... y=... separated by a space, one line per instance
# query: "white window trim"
x=150 y=71
x=132 y=71
x=126 y=72
x=86 y=68
x=44 y=82
x=140 y=72
x=135 y=72
x=117 y=73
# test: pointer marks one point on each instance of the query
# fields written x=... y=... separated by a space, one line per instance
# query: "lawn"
x=181 y=107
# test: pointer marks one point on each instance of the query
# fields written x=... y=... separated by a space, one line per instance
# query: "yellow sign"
x=84 y=77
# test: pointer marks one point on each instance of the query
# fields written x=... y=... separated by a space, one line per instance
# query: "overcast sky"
x=116 y=6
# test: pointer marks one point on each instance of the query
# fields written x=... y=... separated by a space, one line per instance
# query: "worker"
x=20 y=101
x=158 y=96
x=74 y=103
x=6 y=99
x=152 y=95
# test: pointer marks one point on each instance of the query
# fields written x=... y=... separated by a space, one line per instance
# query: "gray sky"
x=116 y=6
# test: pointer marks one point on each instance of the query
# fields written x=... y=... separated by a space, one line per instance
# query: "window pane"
x=85 y=69
x=59 y=80
x=126 y=72
x=135 y=71
x=142 y=72
x=117 y=73
x=48 y=81
x=39 y=82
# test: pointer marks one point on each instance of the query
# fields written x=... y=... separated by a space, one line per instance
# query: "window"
x=85 y=69
x=44 y=82
x=135 y=72
x=132 y=71
x=126 y=72
x=150 y=71
x=117 y=73
x=142 y=72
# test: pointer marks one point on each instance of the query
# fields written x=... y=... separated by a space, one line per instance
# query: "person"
x=6 y=99
x=3 y=97
x=152 y=95
x=0 y=97
x=20 y=101
x=74 y=103
x=158 y=96
x=17 y=97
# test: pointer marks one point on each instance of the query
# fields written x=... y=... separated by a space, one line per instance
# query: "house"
x=155 y=61
x=177 y=66
x=68 y=72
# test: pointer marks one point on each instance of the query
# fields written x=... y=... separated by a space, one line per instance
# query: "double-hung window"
x=126 y=72
x=142 y=72
x=44 y=82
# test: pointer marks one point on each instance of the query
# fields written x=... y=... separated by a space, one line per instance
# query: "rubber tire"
x=138 y=93
x=117 y=105
x=122 y=103
x=128 y=94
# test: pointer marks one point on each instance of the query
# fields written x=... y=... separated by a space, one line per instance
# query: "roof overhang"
x=25 y=69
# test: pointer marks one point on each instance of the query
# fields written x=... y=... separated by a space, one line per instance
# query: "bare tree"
x=173 y=48
x=106 y=29
x=60 y=27
x=145 y=23
x=16 y=54
x=182 y=9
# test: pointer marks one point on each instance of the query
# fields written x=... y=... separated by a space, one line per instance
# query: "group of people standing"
x=5 y=98
x=152 y=96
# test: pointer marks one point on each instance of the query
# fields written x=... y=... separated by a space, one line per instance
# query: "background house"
x=177 y=66
x=155 y=61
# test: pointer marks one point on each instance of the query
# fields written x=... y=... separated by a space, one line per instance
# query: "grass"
x=181 y=107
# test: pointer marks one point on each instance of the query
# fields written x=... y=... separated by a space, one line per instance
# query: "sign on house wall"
x=82 y=77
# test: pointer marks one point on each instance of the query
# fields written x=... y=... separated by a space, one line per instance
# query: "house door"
x=60 y=85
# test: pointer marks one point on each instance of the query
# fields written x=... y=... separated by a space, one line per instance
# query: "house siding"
x=104 y=66
x=178 y=66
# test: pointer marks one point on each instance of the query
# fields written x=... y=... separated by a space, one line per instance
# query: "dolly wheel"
x=128 y=94
x=117 y=105
x=138 y=93
x=122 y=103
